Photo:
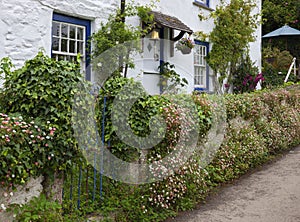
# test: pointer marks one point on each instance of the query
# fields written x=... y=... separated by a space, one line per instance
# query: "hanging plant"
x=185 y=45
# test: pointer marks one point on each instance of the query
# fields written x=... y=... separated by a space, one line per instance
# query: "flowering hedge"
x=45 y=88
x=260 y=125
x=26 y=149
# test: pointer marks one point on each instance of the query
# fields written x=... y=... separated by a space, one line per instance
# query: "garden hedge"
x=259 y=126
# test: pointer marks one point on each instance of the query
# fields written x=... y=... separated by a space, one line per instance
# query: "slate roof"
x=170 y=22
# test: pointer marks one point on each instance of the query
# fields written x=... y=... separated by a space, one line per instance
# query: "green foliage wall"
x=260 y=125
x=44 y=88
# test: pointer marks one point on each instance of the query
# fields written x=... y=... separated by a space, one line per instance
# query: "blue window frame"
x=204 y=3
x=69 y=37
x=201 y=69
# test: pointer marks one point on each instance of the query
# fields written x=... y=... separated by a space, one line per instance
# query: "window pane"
x=64 y=45
x=71 y=58
x=200 y=66
x=68 y=40
x=80 y=33
x=80 y=47
x=61 y=57
x=64 y=30
x=55 y=44
x=55 y=28
x=72 y=46
x=72 y=32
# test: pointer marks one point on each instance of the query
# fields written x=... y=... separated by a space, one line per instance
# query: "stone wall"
x=22 y=195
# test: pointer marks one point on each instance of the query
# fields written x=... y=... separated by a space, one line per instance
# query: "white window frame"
x=79 y=41
x=67 y=55
x=200 y=66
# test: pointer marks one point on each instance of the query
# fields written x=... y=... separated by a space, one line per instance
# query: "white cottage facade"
x=62 y=29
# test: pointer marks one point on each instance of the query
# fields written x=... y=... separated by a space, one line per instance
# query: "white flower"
x=3 y=207
x=13 y=175
x=14 y=131
x=31 y=136
x=11 y=194
x=48 y=122
x=47 y=137
x=5 y=194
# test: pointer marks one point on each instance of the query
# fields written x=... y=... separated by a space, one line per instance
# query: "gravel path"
x=270 y=194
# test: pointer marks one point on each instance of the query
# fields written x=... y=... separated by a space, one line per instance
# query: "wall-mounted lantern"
x=155 y=38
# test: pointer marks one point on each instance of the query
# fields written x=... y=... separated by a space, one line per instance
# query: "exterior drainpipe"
x=161 y=56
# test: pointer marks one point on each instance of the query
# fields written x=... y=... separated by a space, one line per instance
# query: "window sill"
x=200 y=88
x=200 y=5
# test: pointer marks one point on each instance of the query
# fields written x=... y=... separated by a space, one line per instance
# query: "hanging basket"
x=185 y=45
x=186 y=50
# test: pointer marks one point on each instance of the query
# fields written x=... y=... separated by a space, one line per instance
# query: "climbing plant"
x=121 y=37
x=235 y=24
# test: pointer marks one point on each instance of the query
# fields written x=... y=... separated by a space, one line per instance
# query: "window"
x=204 y=3
x=200 y=66
x=69 y=37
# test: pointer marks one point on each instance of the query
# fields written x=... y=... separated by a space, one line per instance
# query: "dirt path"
x=271 y=194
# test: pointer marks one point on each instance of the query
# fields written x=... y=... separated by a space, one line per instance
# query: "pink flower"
x=226 y=85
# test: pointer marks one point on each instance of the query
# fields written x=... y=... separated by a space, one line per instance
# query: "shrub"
x=26 y=149
x=44 y=88
x=260 y=125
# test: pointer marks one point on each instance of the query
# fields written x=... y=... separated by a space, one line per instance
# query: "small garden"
x=37 y=139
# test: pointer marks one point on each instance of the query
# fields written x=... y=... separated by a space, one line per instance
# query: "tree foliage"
x=234 y=28
x=277 y=13
x=121 y=37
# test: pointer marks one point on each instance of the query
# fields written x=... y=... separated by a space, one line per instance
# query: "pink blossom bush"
x=25 y=148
